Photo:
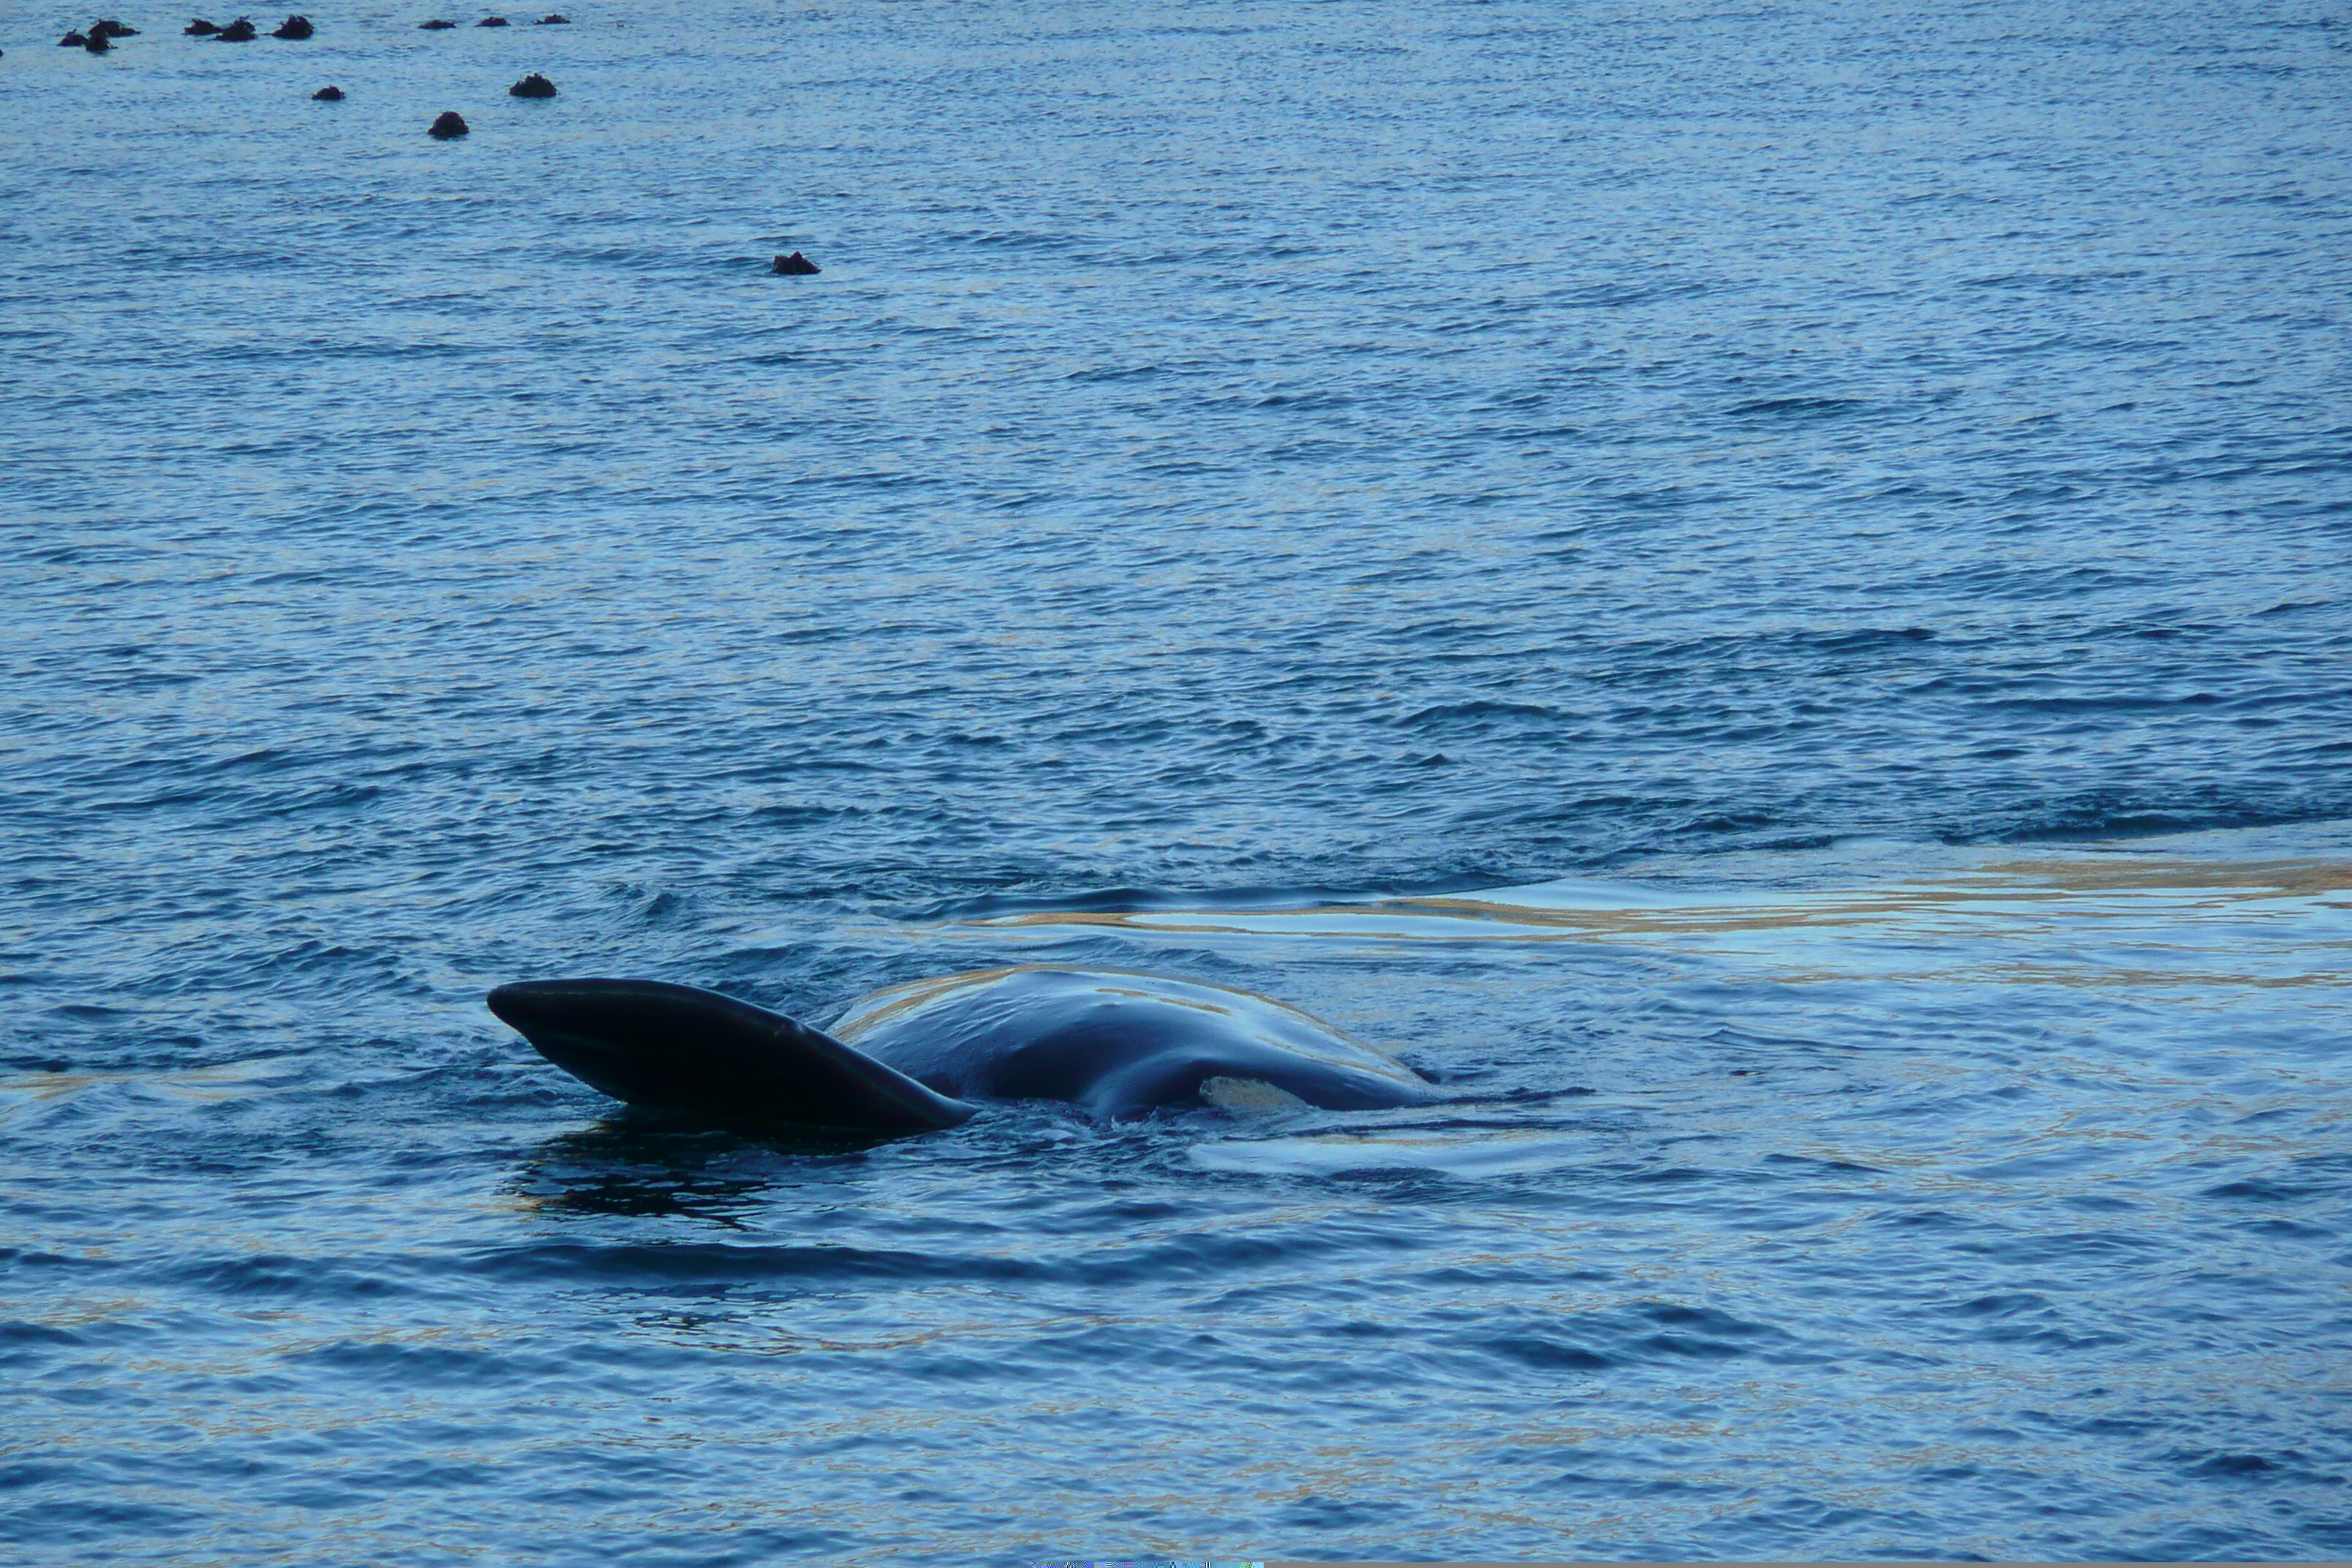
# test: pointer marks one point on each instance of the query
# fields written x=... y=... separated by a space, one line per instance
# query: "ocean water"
x=1760 y=589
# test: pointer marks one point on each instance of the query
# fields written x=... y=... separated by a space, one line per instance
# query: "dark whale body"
x=917 y=1058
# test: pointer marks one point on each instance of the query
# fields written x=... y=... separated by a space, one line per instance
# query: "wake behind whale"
x=919 y=1057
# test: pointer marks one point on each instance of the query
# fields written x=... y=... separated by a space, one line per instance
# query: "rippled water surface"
x=1758 y=589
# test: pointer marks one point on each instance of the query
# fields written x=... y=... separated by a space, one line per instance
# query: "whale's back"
x=1119 y=1045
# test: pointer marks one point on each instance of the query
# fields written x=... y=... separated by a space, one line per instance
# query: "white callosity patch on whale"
x=1248 y=1096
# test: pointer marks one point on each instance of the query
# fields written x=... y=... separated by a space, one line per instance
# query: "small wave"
x=419 y=1365
x=19 y=1335
x=1101 y=375
x=1649 y=1331
x=1452 y=714
x=1622 y=296
x=1863 y=637
x=700 y=1264
x=2103 y=817
x=2255 y=1190
x=1794 y=407
x=801 y=813
x=1010 y=906
x=282 y=1275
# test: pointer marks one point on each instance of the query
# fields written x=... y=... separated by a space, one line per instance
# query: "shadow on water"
x=639 y=1165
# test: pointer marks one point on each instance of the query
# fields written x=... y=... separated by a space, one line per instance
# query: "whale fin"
x=675 y=1047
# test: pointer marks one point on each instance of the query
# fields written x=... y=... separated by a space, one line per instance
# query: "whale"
x=929 y=1055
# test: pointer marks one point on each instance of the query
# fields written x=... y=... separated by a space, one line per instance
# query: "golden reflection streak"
x=2101 y=874
x=2024 y=972
x=1992 y=891
x=230 y=1080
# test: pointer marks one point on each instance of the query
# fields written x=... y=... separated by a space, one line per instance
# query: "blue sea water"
x=1759 y=588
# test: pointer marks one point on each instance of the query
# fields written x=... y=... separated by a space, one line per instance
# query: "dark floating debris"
x=533 y=86
x=554 y=19
x=200 y=28
x=492 y=22
x=435 y=26
x=451 y=125
x=795 y=266
x=329 y=95
x=237 y=32
x=113 y=30
x=294 y=28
